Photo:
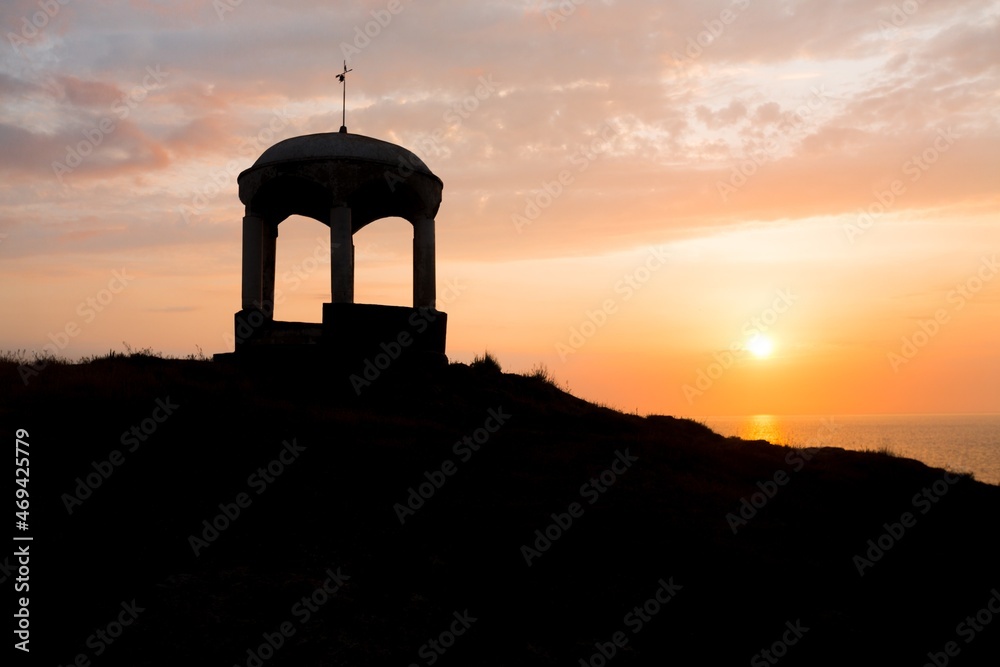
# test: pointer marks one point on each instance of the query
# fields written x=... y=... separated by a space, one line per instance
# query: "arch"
x=302 y=267
x=383 y=253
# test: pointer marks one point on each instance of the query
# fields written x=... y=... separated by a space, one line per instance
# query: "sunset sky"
x=633 y=190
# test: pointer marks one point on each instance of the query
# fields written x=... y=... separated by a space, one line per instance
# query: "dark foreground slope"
x=319 y=552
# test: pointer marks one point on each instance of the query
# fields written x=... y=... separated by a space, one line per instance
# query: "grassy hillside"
x=644 y=507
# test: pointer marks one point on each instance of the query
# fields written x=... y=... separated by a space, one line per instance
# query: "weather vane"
x=343 y=79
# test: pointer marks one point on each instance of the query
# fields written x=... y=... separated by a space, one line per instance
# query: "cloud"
x=92 y=94
x=680 y=126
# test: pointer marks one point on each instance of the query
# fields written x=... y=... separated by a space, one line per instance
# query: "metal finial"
x=343 y=79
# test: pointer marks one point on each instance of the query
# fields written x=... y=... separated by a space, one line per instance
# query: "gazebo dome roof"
x=340 y=145
x=310 y=174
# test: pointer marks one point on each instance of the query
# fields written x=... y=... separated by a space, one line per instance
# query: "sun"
x=760 y=346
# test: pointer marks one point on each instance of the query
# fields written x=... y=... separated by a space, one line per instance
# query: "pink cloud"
x=93 y=94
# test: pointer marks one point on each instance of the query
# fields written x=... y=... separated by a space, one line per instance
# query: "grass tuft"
x=487 y=362
x=541 y=373
x=884 y=450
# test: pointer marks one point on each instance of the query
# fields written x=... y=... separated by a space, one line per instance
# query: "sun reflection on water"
x=764 y=427
x=958 y=442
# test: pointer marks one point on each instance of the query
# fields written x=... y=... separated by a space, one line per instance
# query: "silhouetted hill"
x=659 y=523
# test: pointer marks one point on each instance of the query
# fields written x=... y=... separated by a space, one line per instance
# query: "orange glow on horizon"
x=803 y=227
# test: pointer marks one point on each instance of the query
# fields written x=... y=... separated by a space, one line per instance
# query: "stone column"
x=269 y=257
x=253 y=260
x=424 y=279
x=341 y=256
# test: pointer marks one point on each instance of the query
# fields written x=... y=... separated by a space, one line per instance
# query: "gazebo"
x=345 y=181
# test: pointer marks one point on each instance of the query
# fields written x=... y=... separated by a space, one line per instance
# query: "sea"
x=961 y=443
